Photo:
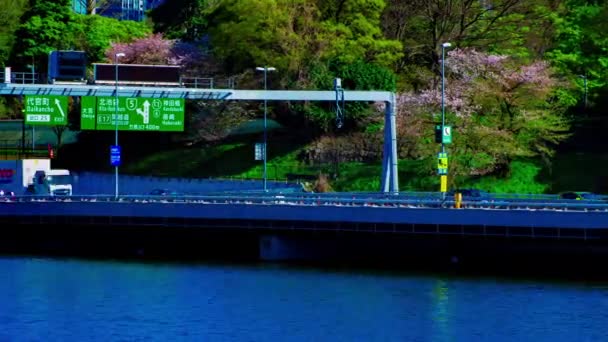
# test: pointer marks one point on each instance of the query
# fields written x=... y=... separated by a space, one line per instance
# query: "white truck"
x=34 y=177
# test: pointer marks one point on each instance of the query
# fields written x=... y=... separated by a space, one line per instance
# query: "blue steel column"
x=392 y=113
x=265 y=128
x=386 y=155
x=390 y=176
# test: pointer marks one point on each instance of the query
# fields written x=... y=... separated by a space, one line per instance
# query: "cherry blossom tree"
x=499 y=108
x=155 y=49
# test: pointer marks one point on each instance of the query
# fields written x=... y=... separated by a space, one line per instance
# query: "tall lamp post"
x=443 y=158
x=443 y=47
x=265 y=69
x=116 y=56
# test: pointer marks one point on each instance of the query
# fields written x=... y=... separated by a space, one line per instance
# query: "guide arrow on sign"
x=58 y=104
x=145 y=113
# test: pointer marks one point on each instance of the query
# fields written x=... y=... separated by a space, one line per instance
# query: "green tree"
x=310 y=43
x=292 y=34
x=580 y=46
x=181 y=19
x=503 y=27
x=45 y=26
x=352 y=31
x=248 y=33
x=95 y=34
x=9 y=22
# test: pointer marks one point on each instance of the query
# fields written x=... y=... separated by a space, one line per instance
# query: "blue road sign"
x=115 y=155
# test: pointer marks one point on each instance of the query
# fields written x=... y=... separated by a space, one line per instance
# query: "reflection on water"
x=440 y=310
x=76 y=300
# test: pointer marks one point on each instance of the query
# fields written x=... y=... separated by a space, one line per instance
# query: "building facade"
x=119 y=9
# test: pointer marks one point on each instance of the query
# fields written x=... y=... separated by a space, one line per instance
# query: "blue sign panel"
x=115 y=155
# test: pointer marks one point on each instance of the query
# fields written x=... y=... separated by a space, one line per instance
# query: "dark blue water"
x=80 y=300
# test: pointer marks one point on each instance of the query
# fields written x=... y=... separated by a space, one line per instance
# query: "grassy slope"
x=236 y=161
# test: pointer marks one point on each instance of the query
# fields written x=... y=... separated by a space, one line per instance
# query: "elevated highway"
x=411 y=214
x=267 y=226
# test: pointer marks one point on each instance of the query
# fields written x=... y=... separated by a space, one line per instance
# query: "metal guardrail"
x=433 y=194
x=208 y=82
x=324 y=200
x=21 y=77
x=187 y=82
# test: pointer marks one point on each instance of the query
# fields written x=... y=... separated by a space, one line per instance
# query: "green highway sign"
x=447 y=134
x=50 y=110
x=87 y=112
x=133 y=114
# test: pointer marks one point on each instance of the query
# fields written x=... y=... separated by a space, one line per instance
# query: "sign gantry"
x=389 y=182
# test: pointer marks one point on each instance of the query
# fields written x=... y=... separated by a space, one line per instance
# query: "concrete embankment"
x=487 y=255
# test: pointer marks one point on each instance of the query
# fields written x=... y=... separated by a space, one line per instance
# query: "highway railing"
x=325 y=200
x=208 y=82
x=20 y=77
x=187 y=82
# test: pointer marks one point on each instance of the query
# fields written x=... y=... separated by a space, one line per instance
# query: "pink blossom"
x=155 y=49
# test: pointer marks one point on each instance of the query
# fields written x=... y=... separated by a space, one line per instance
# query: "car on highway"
x=6 y=193
x=166 y=195
x=581 y=196
x=470 y=194
x=164 y=192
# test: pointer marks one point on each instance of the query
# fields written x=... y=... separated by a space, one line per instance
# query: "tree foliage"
x=249 y=33
x=211 y=122
x=9 y=22
x=154 y=49
x=96 y=34
x=45 y=26
x=502 y=26
x=291 y=34
x=352 y=32
x=181 y=19
x=581 y=44
x=51 y=25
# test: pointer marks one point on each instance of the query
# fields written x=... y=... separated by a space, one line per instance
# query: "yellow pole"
x=457 y=200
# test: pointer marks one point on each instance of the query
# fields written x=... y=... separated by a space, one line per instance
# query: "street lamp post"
x=265 y=69
x=443 y=47
x=116 y=56
x=443 y=155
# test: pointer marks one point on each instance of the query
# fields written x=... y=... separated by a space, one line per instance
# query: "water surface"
x=76 y=300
